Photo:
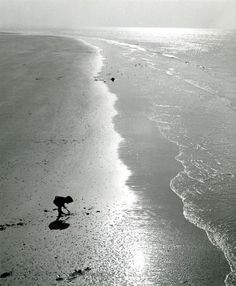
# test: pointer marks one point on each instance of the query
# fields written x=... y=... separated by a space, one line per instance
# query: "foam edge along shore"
x=215 y=238
x=180 y=185
x=189 y=185
x=118 y=139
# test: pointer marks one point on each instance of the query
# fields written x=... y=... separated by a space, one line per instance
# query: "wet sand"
x=178 y=252
x=59 y=136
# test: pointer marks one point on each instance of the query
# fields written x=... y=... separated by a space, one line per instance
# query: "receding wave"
x=131 y=47
x=206 y=184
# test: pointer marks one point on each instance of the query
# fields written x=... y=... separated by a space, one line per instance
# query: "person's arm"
x=66 y=209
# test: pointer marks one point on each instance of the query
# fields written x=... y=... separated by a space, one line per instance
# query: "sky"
x=126 y=13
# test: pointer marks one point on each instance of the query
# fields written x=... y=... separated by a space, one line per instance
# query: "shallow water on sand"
x=193 y=73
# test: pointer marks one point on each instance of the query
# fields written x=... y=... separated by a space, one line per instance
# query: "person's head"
x=69 y=199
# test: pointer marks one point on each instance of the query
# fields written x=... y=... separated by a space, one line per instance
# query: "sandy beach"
x=67 y=129
x=57 y=138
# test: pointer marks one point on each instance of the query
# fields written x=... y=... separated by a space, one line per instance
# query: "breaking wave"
x=206 y=184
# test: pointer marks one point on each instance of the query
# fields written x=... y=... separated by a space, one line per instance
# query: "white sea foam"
x=131 y=47
x=170 y=56
x=201 y=86
x=200 y=181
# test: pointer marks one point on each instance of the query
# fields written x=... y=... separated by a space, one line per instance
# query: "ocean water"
x=195 y=108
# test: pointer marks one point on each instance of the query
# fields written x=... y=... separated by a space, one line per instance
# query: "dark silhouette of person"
x=60 y=203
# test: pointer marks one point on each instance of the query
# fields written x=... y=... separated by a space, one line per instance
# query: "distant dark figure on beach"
x=60 y=203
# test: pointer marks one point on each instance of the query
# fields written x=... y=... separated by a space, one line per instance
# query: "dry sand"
x=57 y=138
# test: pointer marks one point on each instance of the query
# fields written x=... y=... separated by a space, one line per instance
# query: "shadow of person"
x=58 y=225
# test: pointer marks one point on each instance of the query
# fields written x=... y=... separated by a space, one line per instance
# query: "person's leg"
x=59 y=212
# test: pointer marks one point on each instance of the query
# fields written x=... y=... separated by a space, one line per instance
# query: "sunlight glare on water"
x=138 y=260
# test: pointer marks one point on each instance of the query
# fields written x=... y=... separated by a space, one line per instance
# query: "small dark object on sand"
x=20 y=223
x=78 y=272
x=45 y=211
x=87 y=213
x=59 y=279
x=60 y=203
x=2 y=227
x=6 y=274
x=74 y=274
x=113 y=79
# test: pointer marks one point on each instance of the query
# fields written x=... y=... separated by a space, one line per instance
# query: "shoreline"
x=116 y=90
x=213 y=237
x=140 y=207
x=210 y=235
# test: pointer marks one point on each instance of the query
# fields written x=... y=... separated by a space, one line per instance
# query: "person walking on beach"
x=60 y=203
